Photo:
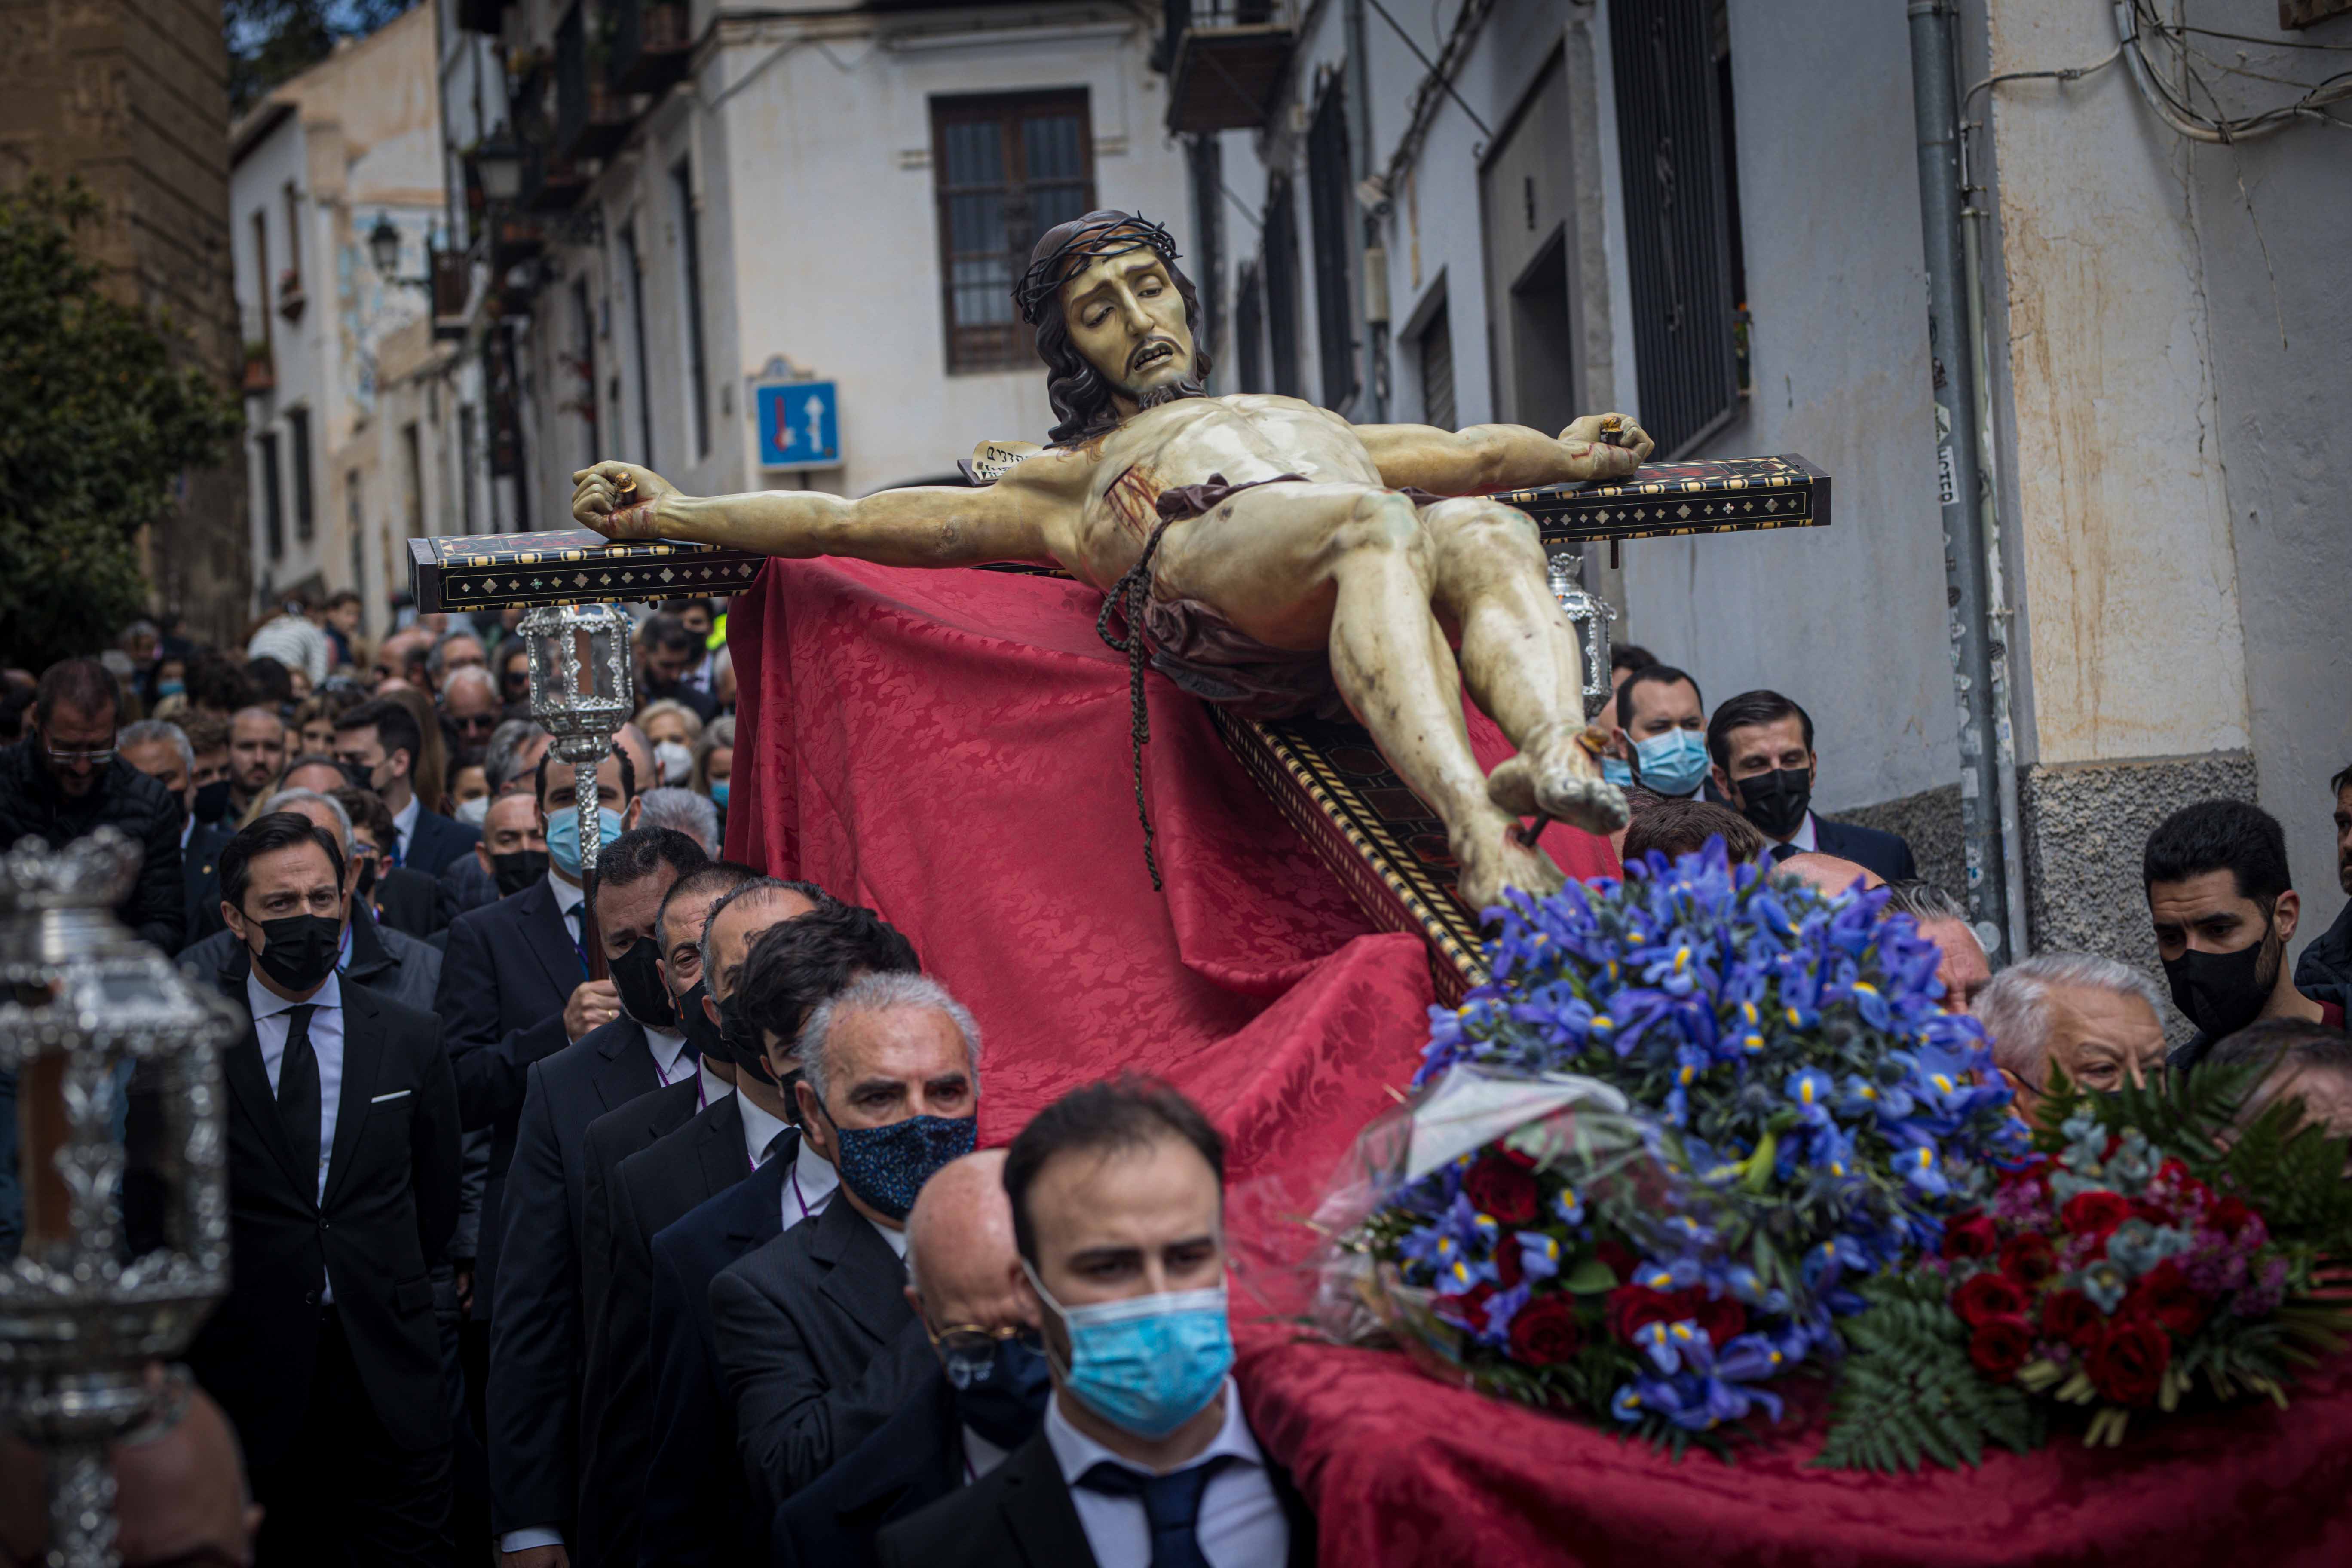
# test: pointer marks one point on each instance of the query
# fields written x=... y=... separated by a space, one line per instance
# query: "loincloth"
x=1204 y=653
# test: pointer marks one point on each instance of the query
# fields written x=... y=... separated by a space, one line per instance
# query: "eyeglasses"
x=98 y=758
x=967 y=1350
x=475 y=723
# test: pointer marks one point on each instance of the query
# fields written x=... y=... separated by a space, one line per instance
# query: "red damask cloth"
x=952 y=749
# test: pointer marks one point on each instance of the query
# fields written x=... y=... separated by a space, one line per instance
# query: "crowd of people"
x=698 y=1262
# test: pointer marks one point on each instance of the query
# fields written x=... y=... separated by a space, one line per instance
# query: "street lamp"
x=383 y=246
x=497 y=163
x=582 y=689
x=94 y=1020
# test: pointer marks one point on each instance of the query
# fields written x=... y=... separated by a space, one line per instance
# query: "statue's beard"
x=1168 y=392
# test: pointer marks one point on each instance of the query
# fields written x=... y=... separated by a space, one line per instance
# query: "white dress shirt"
x=760 y=1129
x=810 y=1187
x=897 y=1238
x=980 y=1456
x=714 y=1088
x=1240 y=1523
x=403 y=822
x=271 y=1025
x=1804 y=841
x=665 y=1047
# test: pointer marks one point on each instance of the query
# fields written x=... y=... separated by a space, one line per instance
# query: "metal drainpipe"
x=1370 y=253
x=1935 y=102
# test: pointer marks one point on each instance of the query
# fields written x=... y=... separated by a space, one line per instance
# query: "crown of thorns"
x=1046 y=275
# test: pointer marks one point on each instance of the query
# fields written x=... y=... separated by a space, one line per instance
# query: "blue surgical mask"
x=718 y=793
x=1149 y=1364
x=169 y=688
x=563 y=836
x=1617 y=772
x=1673 y=763
x=887 y=1166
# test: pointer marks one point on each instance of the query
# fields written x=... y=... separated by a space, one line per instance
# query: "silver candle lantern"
x=92 y=1021
x=582 y=689
x=1590 y=615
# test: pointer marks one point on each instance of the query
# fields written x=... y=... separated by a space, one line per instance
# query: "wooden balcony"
x=653 y=44
x=1225 y=59
x=591 y=118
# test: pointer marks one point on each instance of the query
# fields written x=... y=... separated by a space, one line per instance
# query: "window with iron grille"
x=1434 y=347
x=273 y=497
x=1282 y=284
x=1671 y=66
x=298 y=439
x=1005 y=169
x=1249 y=331
x=1329 y=211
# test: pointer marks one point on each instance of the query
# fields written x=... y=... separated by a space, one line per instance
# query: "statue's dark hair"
x=1079 y=392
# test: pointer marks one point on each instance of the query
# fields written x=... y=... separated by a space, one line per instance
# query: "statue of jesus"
x=1270 y=556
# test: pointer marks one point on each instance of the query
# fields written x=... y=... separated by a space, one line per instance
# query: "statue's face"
x=1124 y=316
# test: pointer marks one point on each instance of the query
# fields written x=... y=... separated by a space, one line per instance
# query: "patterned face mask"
x=887 y=1166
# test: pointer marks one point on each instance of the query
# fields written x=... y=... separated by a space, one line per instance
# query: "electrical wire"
x=2137 y=21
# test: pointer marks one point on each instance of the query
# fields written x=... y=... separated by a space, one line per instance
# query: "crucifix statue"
x=1264 y=553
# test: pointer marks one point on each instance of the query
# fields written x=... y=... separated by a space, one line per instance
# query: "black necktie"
x=1171 y=1502
x=576 y=918
x=1783 y=851
x=298 y=1093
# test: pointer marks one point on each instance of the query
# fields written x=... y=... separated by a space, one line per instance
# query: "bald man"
x=985 y=1399
x=180 y=1492
x=1826 y=874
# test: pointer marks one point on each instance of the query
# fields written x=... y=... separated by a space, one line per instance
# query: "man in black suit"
x=343 y=1153
x=535 y=1342
x=403 y=898
x=515 y=987
x=654 y=1187
x=984 y=1400
x=816 y=1339
x=612 y=1440
x=698 y=1510
x=380 y=741
x=1118 y=1195
x=1761 y=746
x=160 y=749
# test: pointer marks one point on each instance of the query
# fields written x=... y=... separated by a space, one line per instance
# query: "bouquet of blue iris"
x=1647 y=1163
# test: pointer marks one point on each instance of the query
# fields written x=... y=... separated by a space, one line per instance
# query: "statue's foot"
x=1492 y=858
x=1559 y=777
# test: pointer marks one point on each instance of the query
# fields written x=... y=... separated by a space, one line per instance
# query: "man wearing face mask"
x=816 y=1339
x=666 y=652
x=160 y=749
x=1145 y=1457
x=535 y=1318
x=654 y=1187
x=2224 y=909
x=379 y=742
x=1658 y=742
x=698 y=1508
x=984 y=1399
x=342 y=1182
x=1762 y=745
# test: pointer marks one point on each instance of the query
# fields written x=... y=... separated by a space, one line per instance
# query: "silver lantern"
x=91 y=1019
x=1590 y=615
x=582 y=689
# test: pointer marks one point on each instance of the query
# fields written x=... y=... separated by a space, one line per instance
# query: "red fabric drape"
x=952 y=749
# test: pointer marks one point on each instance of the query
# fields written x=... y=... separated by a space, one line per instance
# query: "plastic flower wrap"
x=1710 y=1105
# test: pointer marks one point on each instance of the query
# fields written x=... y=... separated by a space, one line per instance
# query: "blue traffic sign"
x=799 y=425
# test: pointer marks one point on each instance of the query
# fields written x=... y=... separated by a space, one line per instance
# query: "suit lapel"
x=248 y=1081
x=550 y=937
x=364 y=1045
x=626 y=1068
x=866 y=1280
x=1036 y=1509
x=720 y=1150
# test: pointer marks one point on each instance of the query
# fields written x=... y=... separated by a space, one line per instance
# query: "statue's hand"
x=618 y=499
x=1614 y=445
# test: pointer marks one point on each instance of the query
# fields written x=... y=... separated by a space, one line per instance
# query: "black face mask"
x=701 y=1035
x=1005 y=1403
x=518 y=870
x=298 y=951
x=743 y=1039
x=2223 y=992
x=1776 y=802
x=367 y=875
x=212 y=801
x=647 y=999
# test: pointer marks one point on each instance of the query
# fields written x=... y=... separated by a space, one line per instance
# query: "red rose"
x=2165 y=1296
x=1621 y=1258
x=1546 y=1332
x=2028 y=1259
x=1502 y=1189
x=1633 y=1308
x=2128 y=1362
x=2171 y=1171
x=1721 y=1319
x=2000 y=1346
x=1469 y=1308
x=1987 y=1296
x=2068 y=1316
x=1970 y=1236
x=2095 y=1213
x=1511 y=1263
x=1519 y=1157
x=2229 y=1215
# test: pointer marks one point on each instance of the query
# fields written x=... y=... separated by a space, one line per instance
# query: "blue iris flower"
x=1538 y=1254
x=1810 y=1088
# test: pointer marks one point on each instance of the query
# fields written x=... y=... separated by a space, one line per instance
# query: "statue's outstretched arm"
x=1504 y=456
x=1017 y=519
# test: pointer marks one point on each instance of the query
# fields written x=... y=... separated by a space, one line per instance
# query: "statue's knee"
x=1383 y=520
x=1481 y=527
